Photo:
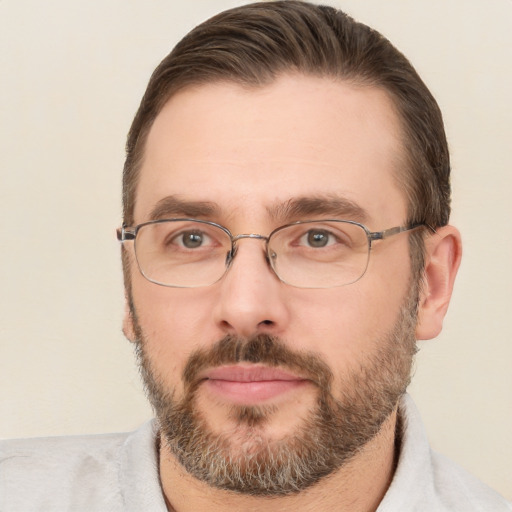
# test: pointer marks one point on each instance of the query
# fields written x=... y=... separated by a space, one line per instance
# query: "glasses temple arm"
x=380 y=235
x=125 y=233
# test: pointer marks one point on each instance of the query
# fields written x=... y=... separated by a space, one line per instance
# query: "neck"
x=359 y=486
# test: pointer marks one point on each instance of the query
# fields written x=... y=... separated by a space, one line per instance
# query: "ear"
x=128 y=329
x=443 y=251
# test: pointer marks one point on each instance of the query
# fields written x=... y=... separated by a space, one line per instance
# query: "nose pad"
x=271 y=259
x=230 y=255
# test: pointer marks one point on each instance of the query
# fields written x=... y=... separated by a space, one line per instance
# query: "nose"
x=251 y=297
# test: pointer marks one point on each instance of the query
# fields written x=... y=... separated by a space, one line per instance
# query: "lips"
x=250 y=384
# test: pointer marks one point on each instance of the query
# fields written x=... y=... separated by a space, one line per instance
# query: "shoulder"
x=459 y=490
x=63 y=472
x=111 y=472
x=58 y=453
x=47 y=445
x=425 y=481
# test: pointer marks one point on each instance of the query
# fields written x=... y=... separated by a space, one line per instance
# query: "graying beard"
x=327 y=440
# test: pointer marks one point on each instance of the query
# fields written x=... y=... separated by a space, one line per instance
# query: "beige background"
x=72 y=74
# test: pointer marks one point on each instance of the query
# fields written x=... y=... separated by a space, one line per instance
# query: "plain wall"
x=72 y=74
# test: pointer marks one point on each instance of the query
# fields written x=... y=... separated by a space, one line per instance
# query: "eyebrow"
x=294 y=209
x=172 y=206
x=308 y=206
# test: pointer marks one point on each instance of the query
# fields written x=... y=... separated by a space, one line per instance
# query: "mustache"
x=260 y=349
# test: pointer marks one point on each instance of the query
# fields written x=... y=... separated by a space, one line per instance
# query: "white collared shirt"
x=119 y=473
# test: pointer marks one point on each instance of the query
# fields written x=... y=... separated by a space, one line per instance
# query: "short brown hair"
x=253 y=44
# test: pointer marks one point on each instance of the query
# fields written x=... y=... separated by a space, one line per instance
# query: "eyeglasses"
x=189 y=253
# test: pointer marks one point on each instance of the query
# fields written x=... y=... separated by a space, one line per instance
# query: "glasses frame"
x=129 y=233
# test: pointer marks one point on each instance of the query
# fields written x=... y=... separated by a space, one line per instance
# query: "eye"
x=317 y=238
x=192 y=239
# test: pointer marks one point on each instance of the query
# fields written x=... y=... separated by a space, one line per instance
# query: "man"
x=285 y=243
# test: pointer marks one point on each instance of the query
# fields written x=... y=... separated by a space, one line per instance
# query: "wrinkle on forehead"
x=245 y=149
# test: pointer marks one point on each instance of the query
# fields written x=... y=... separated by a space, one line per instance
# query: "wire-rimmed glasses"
x=189 y=253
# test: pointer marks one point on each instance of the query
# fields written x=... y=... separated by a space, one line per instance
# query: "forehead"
x=249 y=150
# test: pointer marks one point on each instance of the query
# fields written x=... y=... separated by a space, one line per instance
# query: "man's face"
x=251 y=370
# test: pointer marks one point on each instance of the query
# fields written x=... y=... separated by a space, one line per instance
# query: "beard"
x=334 y=430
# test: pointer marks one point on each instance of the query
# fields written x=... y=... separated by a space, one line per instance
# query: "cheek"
x=343 y=324
x=336 y=319
x=174 y=323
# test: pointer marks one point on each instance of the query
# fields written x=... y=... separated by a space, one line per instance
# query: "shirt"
x=119 y=472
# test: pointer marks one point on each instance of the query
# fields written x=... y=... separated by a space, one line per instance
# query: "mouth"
x=251 y=384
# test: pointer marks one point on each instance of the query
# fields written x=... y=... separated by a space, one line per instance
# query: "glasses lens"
x=182 y=253
x=320 y=254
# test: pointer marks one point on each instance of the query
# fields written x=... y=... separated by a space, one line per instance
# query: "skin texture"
x=251 y=151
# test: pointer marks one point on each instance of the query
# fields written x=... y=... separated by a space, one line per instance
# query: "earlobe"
x=443 y=251
x=128 y=329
